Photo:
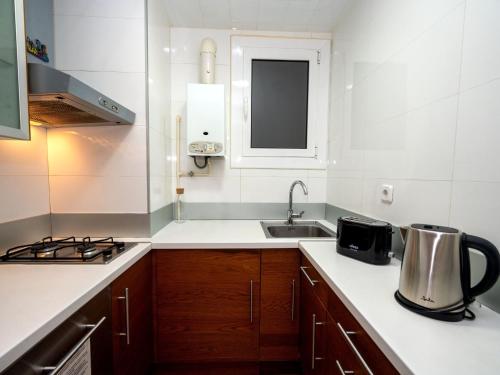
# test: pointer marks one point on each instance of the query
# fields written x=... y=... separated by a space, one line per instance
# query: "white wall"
x=227 y=184
x=24 y=188
x=415 y=88
x=101 y=169
x=160 y=165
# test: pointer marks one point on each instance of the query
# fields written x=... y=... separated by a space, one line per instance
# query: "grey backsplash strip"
x=101 y=225
x=161 y=217
x=116 y=225
x=145 y=225
x=249 y=211
x=478 y=263
x=24 y=231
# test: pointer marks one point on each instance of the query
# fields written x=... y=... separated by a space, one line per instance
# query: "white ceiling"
x=278 y=15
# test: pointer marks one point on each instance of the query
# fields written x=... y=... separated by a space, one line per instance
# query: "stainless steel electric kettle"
x=435 y=276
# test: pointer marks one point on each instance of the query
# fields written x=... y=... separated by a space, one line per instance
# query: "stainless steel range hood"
x=57 y=99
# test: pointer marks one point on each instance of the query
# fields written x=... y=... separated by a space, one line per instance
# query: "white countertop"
x=414 y=344
x=37 y=298
x=222 y=234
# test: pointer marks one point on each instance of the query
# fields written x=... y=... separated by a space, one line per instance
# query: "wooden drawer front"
x=279 y=305
x=367 y=353
x=312 y=333
x=207 y=305
x=312 y=279
x=340 y=360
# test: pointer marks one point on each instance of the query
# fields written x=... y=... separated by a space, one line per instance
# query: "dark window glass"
x=279 y=104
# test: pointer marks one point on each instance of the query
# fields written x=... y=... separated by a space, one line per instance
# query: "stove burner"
x=43 y=248
x=85 y=248
x=67 y=250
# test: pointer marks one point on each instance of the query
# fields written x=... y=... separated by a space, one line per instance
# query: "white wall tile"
x=100 y=8
x=477 y=154
x=425 y=70
x=159 y=153
x=159 y=106
x=298 y=174
x=160 y=190
x=182 y=74
x=91 y=194
x=414 y=201
x=481 y=50
x=98 y=151
x=99 y=44
x=316 y=187
x=23 y=197
x=434 y=60
x=21 y=158
x=346 y=193
x=270 y=189
x=211 y=189
x=422 y=144
x=475 y=207
x=24 y=177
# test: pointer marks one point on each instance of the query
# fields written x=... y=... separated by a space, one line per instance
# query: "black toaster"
x=364 y=239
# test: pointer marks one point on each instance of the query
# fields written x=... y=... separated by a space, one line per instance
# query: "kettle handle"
x=492 y=263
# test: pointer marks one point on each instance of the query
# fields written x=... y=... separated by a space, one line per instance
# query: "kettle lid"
x=435 y=228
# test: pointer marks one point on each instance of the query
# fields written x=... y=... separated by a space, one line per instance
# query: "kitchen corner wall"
x=415 y=88
x=159 y=117
x=225 y=184
x=24 y=177
x=101 y=169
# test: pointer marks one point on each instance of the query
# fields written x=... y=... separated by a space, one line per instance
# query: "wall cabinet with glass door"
x=14 y=119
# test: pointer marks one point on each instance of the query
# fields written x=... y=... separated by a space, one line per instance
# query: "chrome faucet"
x=291 y=215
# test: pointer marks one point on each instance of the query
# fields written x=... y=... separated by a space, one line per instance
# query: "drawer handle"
x=346 y=335
x=342 y=371
x=311 y=281
x=79 y=344
x=127 y=317
x=251 y=301
x=313 y=345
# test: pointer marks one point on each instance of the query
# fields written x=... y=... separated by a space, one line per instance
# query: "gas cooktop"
x=67 y=251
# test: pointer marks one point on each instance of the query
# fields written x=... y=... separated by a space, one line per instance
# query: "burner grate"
x=66 y=250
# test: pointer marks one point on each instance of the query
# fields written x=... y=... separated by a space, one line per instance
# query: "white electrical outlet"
x=386 y=193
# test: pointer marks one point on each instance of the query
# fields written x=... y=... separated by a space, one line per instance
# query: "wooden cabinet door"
x=207 y=305
x=132 y=319
x=312 y=329
x=279 y=311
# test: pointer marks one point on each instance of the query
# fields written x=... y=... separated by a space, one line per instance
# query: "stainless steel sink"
x=300 y=229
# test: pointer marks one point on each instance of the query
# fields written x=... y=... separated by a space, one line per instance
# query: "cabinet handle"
x=293 y=299
x=341 y=370
x=311 y=281
x=346 y=335
x=251 y=301
x=313 y=345
x=127 y=317
x=74 y=349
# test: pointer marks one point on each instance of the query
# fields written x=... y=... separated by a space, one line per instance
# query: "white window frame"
x=244 y=49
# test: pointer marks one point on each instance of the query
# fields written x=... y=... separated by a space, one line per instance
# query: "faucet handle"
x=298 y=215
